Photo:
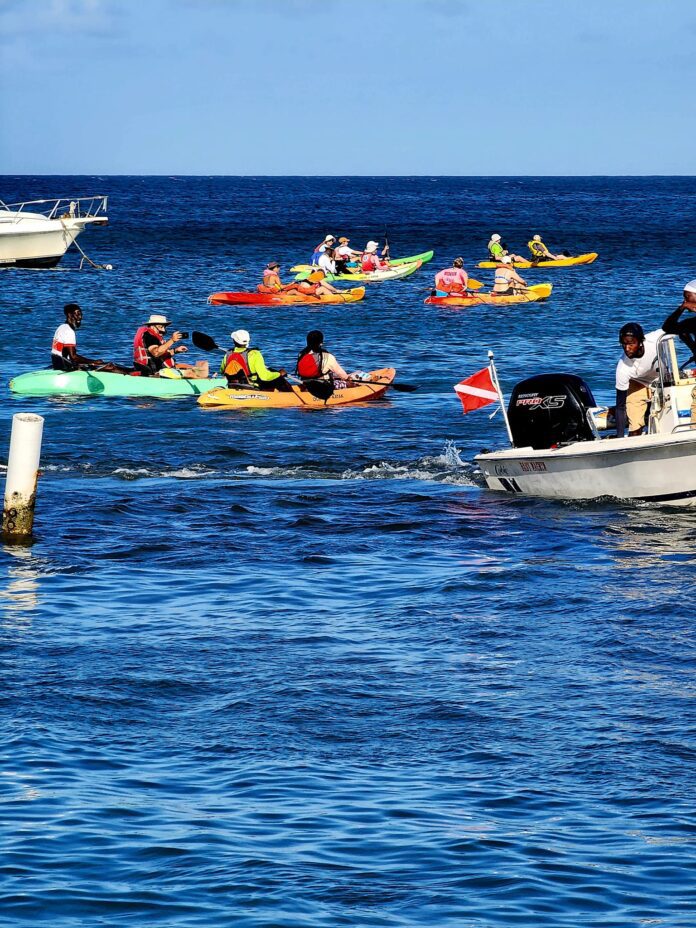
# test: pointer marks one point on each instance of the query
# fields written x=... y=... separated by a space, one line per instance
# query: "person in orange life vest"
x=246 y=366
x=371 y=260
x=315 y=363
x=152 y=352
x=452 y=280
x=64 y=356
x=272 y=282
x=316 y=285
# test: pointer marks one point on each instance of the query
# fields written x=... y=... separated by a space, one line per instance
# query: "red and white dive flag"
x=477 y=391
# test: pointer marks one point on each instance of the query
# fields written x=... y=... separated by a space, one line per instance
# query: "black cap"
x=315 y=339
x=632 y=329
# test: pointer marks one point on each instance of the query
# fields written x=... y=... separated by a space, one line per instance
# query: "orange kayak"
x=253 y=398
x=294 y=299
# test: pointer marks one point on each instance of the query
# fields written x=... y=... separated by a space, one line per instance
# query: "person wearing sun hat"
x=329 y=242
x=244 y=365
x=371 y=260
x=344 y=255
x=152 y=350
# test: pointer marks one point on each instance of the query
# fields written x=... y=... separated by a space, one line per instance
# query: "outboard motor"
x=550 y=409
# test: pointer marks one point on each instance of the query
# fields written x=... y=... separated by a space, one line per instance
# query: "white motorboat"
x=37 y=233
x=558 y=450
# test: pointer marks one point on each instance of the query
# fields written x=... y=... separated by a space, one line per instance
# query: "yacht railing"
x=61 y=208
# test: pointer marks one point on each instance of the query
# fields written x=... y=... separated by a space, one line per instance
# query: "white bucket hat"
x=495 y=237
x=240 y=337
x=158 y=319
x=690 y=287
x=372 y=246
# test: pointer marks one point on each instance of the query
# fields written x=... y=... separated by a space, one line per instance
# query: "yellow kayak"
x=532 y=294
x=561 y=262
x=253 y=398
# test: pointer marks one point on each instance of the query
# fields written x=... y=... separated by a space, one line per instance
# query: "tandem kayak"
x=424 y=257
x=251 y=398
x=390 y=273
x=276 y=299
x=100 y=383
x=534 y=294
x=561 y=262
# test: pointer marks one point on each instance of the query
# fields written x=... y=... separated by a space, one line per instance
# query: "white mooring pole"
x=22 y=473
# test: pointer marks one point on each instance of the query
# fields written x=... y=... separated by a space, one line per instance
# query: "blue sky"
x=340 y=87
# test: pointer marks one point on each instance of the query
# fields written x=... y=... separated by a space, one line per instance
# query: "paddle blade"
x=204 y=342
x=474 y=284
x=320 y=389
x=403 y=387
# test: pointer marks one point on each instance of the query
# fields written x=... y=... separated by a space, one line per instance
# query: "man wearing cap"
x=635 y=371
x=686 y=328
x=152 y=352
x=245 y=365
x=321 y=248
x=344 y=254
x=370 y=259
x=64 y=356
x=539 y=250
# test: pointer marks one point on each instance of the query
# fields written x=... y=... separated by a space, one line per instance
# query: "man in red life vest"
x=153 y=352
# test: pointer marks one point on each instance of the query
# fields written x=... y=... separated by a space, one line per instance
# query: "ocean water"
x=299 y=668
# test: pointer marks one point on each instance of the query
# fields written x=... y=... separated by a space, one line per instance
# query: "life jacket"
x=308 y=367
x=537 y=248
x=269 y=287
x=140 y=353
x=449 y=280
x=370 y=262
x=495 y=251
x=235 y=366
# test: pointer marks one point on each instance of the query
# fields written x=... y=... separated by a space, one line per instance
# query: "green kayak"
x=423 y=258
x=100 y=383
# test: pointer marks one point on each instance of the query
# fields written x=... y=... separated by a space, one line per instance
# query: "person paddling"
x=344 y=254
x=328 y=242
x=64 y=355
x=371 y=260
x=452 y=281
x=245 y=365
x=272 y=282
x=497 y=250
x=315 y=363
x=316 y=285
x=507 y=281
x=539 y=250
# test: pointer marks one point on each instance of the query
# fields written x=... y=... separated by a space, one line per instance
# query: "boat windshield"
x=675 y=364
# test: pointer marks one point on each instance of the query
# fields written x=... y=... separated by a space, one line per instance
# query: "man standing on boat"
x=635 y=371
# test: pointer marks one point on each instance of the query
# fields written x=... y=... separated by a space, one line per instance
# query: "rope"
x=98 y=267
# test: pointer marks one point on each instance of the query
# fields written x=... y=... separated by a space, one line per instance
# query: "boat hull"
x=650 y=468
x=299 y=397
x=32 y=239
x=101 y=383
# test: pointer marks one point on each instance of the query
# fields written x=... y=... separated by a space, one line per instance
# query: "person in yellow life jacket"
x=539 y=250
x=153 y=352
x=315 y=363
x=245 y=365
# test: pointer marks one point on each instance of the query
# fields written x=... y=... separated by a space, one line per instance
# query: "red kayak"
x=283 y=299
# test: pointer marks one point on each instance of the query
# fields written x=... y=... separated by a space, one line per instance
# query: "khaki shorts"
x=637 y=403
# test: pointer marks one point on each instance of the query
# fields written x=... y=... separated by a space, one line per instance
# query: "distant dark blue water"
x=293 y=668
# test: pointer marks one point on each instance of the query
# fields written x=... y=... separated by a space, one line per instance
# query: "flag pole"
x=496 y=384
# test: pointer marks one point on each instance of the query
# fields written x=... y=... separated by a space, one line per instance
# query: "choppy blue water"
x=293 y=668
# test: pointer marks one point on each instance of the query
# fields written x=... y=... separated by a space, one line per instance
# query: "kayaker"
x=316 y=285
x=245 y=365
x=329 y=241
x=344 y=254
x=153 y=352
x=507 y=281
x=452 y=280
x=540 y=251
x=497 y=250
x=326 y=261
x=315 y=363
x=64 y=356
x=685 y=329
x=635 y=371
x=370 y=259
x=271 y=279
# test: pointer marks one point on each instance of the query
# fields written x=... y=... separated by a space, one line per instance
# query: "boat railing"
x=60 y=208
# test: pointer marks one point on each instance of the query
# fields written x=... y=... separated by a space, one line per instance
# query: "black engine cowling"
x=550 y=409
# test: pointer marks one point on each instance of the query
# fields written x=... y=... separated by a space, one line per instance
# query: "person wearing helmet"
x=497 y=249
x=507 y=281
x=371 y=260
x=684 y=328
x=315 y=363
x=243 y=365
x=329 y=242
x=452 y=281
x=635 y=371
x=539 y=250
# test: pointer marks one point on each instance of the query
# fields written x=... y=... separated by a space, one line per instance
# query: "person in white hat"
x=684 y=328
x=153 y=352
x=328 y=242
x=496 y=249
x=507 y=281
x=371 y=260
x=540 y=251
x=245 y=366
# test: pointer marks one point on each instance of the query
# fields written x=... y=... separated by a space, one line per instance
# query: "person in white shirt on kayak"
x=326 y=261
x=344 y=254
x=64 y=356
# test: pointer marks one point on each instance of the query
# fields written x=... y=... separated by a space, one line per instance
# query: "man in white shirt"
x=64 y=356
x=635 y=371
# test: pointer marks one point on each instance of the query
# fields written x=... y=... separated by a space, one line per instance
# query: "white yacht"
x=37 y=233
x=558 y=450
